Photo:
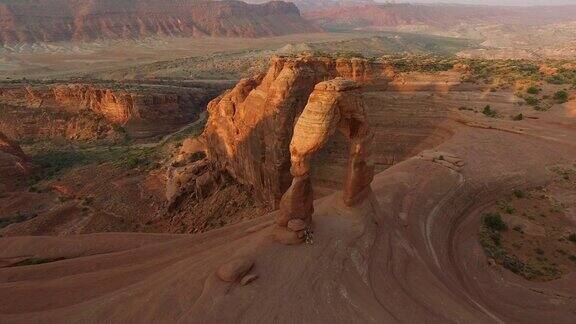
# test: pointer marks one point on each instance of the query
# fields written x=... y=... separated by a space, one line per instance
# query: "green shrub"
x=518 y=117
x=519 y=193
x=561 y=96
x=532 y=101
x=533 y=90
x=489 y=112
x=557 y=79
x=494 y=222
x=572 y=238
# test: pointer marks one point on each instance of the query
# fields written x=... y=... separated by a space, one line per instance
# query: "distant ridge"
x=437 y=15
x=32 y=21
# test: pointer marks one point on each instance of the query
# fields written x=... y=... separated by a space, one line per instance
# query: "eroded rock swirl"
x=334 y=105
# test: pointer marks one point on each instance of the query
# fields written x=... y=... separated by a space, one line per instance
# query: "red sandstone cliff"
x=85 y=20
x=140 y=113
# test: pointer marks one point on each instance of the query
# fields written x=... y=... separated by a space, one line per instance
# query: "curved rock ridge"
x=334 y=105
x=14 y=164
x=250 y=127
x=30 y=21
x=140 y=113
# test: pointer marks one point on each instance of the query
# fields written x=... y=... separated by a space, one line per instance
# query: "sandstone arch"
x=333 y=105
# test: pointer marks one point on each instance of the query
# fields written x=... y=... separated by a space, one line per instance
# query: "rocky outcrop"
x=334 y=104
x=30 y=21
x=141 y=112
x=14 y=164
x=250 y=127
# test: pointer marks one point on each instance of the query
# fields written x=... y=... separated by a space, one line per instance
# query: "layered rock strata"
x=86 y=111
x=250 y=127
x=334 y=105
x=32 y=21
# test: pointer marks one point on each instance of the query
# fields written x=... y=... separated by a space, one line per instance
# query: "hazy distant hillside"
x=63 y=20
x=439 y=15
x=311 y=5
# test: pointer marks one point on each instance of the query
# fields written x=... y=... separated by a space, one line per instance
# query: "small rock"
x=247 y=279
x=286 y=237
x=235 y=269
x=296 y=225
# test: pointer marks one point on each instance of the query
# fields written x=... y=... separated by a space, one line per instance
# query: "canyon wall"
x=29 y=21
x=86 y=111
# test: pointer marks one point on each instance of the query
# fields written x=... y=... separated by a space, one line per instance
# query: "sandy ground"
x=409 y=254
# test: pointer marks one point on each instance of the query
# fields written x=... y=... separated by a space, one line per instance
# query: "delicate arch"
x=334 y=104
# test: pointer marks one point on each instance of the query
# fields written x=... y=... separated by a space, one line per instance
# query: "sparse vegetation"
x=494 y=222
x=561 y=96
x=533 y=90
x=572 y=238
x=18 y=218
x=532 y=101
x=519 y=194
x=489 y=112
x=36 y=261
x=518 y=117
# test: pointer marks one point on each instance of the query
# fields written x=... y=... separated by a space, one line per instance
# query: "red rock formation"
x=334 y=104
x=250 y=127
x=14 y=165
x=86 y=20
x=140 y=113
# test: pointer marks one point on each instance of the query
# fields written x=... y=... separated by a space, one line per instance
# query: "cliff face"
x=85 y=20
x=250 y=127
x=140 y=113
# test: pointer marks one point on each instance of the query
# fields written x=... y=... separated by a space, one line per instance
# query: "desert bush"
x=494 y=222
x=532 y=101
x=488 y=111
x=518 y=117
x=561 y=96
x=572 y=238
x=556 y=79
x=533 y=90
x=519 y=193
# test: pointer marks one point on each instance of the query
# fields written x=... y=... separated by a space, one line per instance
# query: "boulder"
x=234 y=269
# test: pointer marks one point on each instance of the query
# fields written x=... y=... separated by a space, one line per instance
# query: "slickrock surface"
x=31 y=21
x=409 y=253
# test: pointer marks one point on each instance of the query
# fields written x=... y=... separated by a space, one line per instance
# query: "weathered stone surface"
x=250 y=127
x=71 y=20
x=248 y=279
x=284 y=236
x=235 y=269
x=296 y=225
x=297 y=202
x=334 y=104
x=88 y=111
